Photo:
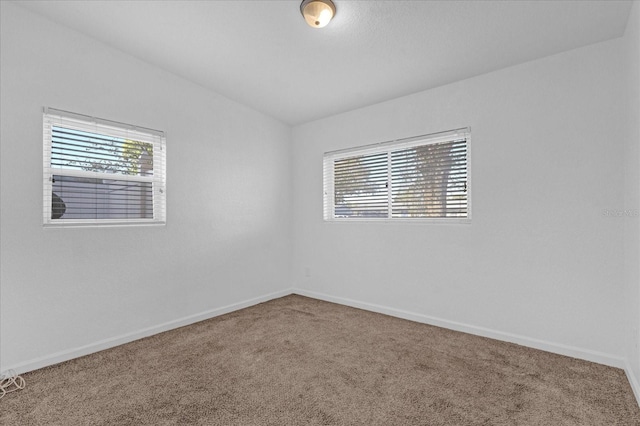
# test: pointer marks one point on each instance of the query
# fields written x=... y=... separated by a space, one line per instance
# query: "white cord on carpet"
x=10 y=382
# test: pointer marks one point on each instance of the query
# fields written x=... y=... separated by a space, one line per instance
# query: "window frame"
x=79 y=122
x=330 y=157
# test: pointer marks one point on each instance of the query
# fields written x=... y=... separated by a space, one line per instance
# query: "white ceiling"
x=262 y=53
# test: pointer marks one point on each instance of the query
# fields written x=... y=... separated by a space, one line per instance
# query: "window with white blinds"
x=425 y=177
x=99 y=172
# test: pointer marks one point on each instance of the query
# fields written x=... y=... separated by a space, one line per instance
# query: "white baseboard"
x=585 y=354
x=101 y=345
x=633 y=381
x=575 y=352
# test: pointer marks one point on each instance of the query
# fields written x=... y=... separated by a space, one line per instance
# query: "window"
x=425 y=177
x=98 y=172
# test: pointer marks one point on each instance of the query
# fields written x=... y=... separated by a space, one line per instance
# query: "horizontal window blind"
x=426 y=177
x=361 y=186
x=90 y=198
x=98 y=172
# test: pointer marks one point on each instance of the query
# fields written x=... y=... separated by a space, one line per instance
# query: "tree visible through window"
x=424 y=177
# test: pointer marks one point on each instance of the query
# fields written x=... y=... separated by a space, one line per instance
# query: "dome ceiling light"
x=317 y=13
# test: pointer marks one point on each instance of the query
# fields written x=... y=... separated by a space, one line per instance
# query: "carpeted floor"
x=300 y=361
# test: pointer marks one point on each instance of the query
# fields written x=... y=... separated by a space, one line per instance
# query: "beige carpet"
x=300 y=361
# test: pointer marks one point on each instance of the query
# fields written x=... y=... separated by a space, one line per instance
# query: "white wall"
x=540 y=264
x=632 y=196
x=228 y=236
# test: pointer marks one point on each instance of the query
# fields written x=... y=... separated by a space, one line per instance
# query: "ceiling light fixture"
x=317 y=13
